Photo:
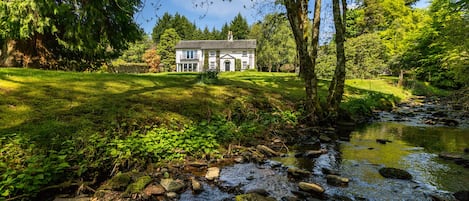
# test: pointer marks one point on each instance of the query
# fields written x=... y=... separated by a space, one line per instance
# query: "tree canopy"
x=46 y=33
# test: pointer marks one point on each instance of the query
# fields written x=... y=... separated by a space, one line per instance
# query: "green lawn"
x=65 y=125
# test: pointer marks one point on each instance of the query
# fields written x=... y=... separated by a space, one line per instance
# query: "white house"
x=220 y=55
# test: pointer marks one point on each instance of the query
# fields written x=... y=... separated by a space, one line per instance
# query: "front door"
x=227 y=66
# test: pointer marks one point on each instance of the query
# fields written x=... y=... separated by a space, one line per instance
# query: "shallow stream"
x=414 y=147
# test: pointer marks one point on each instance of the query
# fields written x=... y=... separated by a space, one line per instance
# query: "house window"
x=245 y=53
x=189 y=54
x=212 y=53
x=190 y=67
x=245 y=64
x=212 y=65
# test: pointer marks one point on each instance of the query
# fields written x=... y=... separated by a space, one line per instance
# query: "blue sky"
x=214 y=16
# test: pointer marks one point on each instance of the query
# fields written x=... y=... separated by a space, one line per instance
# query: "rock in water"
x=212 y=173
x=395 y=173
x=196 y=186
x=310 y=187
x=337 y=180
x=315 y=153
x=253 y=197
x=296 y=172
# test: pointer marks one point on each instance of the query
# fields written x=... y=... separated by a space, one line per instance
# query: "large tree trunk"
x=400 y=83
x=297 y=12
x=336 y=88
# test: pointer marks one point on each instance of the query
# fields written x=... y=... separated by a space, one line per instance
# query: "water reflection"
x=414 y=149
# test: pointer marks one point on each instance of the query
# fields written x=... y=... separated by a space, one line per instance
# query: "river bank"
x=337 y=164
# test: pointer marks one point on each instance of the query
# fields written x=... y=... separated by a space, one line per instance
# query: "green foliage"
x=50 y=34
x=238 y=65
x=240 y=28
x=439 y=51
x=208 y=77
x=183 y=27
x=166 y=50
x=23 y=170
x=275 y=43
x=136 y=50
x=71 y=126
x=366 y=56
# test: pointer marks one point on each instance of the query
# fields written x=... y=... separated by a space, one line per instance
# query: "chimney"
x=230 y=36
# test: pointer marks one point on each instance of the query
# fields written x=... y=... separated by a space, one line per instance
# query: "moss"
x=118 y=182
x=138 y=185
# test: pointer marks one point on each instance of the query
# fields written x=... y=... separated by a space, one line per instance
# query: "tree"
x=184 y=28
x=297 y=13
x=439 y=51
x=134 y=53
x=163 y=23
x=49 y=33
x=336 y=88
x=152 y=59
x=240 y=28
x=275 y=42
x=224 y=32
x=166 y=50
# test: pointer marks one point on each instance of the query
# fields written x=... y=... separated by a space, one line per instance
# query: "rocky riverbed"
x=416 y=152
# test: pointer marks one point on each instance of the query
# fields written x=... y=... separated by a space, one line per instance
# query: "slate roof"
x=216 y=44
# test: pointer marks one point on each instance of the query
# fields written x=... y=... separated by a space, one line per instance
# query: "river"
x=414 y=146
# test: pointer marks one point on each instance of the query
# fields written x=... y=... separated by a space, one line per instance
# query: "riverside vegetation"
x=69 y=130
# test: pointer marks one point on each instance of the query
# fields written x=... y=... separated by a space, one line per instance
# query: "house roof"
x=216 y=44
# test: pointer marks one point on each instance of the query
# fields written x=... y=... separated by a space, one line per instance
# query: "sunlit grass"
x=68 y=102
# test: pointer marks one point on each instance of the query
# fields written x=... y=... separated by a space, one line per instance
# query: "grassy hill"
x=56 y=126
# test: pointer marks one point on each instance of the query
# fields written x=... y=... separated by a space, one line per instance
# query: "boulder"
x=296 y=172
x=196 y=186
x=267 y=151
x=212 y=173
x=171 y=185
x=395 y=173
x=253 y=197
x=337 y=180
x=310 y=187
x=152 y=189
